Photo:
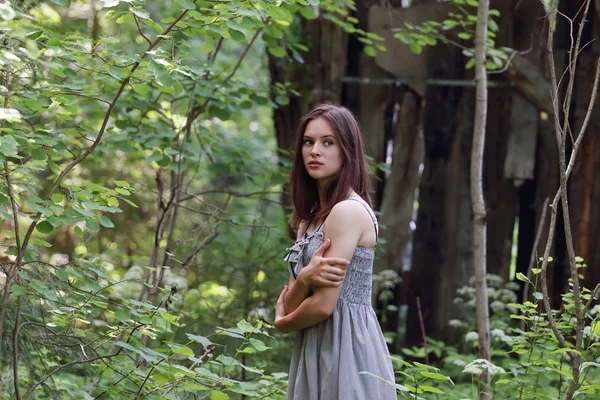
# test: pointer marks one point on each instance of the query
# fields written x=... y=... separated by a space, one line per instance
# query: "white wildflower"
x=587 y=332
x=472 y=337
x=460 y=363
x=473 y=369
x=497 y=332
x=455 y=323
x=497 y=306
x=508 y=296
x=476 y=367
x=494 y=280
x=514 y=286
x=492 y=293
x=59 y=259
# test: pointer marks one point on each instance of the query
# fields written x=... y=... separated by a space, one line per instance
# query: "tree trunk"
x=442 y=258
x=397 y=206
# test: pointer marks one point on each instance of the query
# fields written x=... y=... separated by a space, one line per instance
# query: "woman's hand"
x=280 y=308
x=323 y=271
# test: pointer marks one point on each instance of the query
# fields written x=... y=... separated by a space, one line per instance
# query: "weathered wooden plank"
x=520 y=158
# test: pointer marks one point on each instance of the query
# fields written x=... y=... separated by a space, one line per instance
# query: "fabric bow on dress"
x=296 y=255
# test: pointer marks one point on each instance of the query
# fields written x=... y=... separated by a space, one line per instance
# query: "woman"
x=328 y=298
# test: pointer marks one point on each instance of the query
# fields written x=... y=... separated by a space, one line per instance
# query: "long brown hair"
x=353 y=175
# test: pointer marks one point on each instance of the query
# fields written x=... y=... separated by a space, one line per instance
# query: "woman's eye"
x=328 y=142
x=308 y=142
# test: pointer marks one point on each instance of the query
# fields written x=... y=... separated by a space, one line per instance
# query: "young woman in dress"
x=328 y=298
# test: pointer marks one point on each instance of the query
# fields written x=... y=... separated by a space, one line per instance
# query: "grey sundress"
x=327 y=357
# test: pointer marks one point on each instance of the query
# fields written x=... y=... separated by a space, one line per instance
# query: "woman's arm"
x=320 y=271
x=344 y=235
x=297 y=289
x=295 y=295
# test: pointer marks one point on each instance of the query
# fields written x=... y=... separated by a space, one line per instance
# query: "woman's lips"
x=314 y=164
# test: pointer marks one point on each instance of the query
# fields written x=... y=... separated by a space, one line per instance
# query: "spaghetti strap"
x=371 y=214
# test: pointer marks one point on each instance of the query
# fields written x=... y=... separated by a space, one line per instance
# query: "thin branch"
x=83 y=96
x=538 y=237
x=137 y=395
x=140 y=29
x=15 y=345
x=595 y=292
x=551 y=232
x=239 y=62
x=61 y=367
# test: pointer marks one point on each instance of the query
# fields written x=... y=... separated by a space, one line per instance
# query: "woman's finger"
x=332 y=269
x=336 y=261
x=334 y=277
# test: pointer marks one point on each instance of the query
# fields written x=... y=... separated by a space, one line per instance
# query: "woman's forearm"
x=309 y=313
x=296 y=295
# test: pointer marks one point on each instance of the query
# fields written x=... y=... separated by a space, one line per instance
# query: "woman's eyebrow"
x=322 y=137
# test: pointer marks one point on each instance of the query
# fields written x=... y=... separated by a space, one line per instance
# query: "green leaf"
x=204 y=341
x=538 y=295
x=183 y=350
x=282 y=100
x=277 y=51
x=465 y=35
x=106 y=222
x=246 y=327
x=431 y=389
x=370 y=51
x=140 y=14
x=78 y=231
x=8 y=144
x=279 y=14
x=122 y=315
x=308 y=13
x=187 y=4
x=141 y=89
x=208 y=45
x=236 y=35
x=523 y=278
x=258 y=344
x=38 y=154
x=433 y=375
x=125 y=345
x=218 y=396
x=490 y=65
x=62 y=274
x=415 y=48
x=536 y=270
x=63 y=3
x=57 y=198
x=92 y=226
x=44 y=227
x=131 y=203
x=122 y=184
x=18 y=290
x=44 y=101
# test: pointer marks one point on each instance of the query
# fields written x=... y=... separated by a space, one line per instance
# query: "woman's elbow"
x=325 y=311
x=281 y=326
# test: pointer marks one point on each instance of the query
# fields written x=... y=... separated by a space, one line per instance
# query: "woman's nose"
x=316 y=149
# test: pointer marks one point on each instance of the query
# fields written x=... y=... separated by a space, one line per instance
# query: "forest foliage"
x=142 y=227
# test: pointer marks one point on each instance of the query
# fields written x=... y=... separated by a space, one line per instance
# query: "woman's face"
x=321 y=150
